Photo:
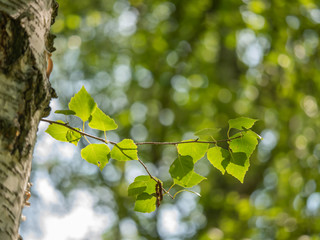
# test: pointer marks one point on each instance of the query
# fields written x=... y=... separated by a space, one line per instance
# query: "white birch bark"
x=25 y=93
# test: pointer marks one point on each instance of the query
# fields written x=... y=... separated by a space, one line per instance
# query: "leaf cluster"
x=146 y=188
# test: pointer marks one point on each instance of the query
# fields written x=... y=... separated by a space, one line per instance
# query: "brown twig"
x=145 y=167
x=76 y=130
x=189 y=141
x=139 y=143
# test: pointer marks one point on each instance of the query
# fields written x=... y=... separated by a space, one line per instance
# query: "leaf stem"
x=171 y=186
x=186 y=190
x=105 y=135
x=87 y=139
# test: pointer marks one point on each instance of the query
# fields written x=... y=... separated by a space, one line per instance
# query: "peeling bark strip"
x=25 y=93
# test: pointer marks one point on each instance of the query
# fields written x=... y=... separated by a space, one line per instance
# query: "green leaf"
x=65 y=112
x=58 y=132
x=145 y=203
x=97 y=154
x=241 y=148
x=82 y=104
x=142 y=184
x=247 y=143
x=99 y=120
x=190 y=180
x=73 y=137
x=144 y=187
x=62 y=133
x=183 y=173
x=125 y=150
x=194 y=150
x=236 y=162
x=207 y=133
x=238 y=165
x=241 y=123
x=219 y=158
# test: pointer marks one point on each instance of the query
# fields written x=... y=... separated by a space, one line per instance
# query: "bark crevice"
x=25 y=94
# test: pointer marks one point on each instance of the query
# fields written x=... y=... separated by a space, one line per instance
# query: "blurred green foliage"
x=166 y=69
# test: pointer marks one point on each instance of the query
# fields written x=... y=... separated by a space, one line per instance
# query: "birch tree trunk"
x=25 y=93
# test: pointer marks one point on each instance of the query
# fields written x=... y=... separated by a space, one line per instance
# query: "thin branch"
x=145 y=167
x=189 y=141
x=141 y=143
x=167 y=192
x=82 y=133
x=105 y=141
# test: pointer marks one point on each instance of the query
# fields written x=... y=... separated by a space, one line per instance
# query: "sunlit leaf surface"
x=82 y=104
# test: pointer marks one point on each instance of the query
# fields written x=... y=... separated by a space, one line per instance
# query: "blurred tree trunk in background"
x=25 y=93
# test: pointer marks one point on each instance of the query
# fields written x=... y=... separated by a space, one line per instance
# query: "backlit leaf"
x=183 y=173
x=99 y=120
x=219 y=158
x=58 y=132
x=236 y=162
x=194 y=150
x=207 y=133
x=97 y=154
x=247 y=143
x=125 y=150
x=82 y=104
x=145 y=203
x=73 y=136
x=241 y=123
x=241 y=148
x=142 y=184
x=238 y=165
